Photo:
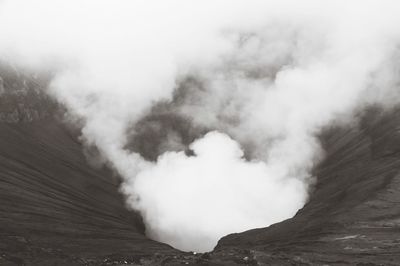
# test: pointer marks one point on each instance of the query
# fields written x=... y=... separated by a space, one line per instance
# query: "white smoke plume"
x=250 y=84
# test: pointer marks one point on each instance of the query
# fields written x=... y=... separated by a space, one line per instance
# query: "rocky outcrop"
x=22 y=95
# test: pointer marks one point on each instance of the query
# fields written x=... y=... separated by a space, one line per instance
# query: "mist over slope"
x=253 y=82
x=56 y=208
x=211 y=107
x=352 y=217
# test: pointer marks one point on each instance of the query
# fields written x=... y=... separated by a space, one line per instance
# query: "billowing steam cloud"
x=209 y=109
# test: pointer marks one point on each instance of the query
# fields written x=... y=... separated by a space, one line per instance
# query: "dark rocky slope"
x=353 y=215
x=57 y=210
x=55 y=206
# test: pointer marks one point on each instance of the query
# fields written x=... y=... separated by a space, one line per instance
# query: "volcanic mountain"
x=58 y=208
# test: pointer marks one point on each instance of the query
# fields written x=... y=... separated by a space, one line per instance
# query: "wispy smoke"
x=209 y=110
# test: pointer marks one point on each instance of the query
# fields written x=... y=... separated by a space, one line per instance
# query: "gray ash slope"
x=353 y=214
x=54 y=208
x=57 y=210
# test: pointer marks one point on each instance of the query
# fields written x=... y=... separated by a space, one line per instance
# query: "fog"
x=208 y=110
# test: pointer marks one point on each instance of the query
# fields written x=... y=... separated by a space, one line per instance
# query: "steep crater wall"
x=55 y=208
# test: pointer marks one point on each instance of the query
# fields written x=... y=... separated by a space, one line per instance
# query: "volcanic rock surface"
x=57 y=209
